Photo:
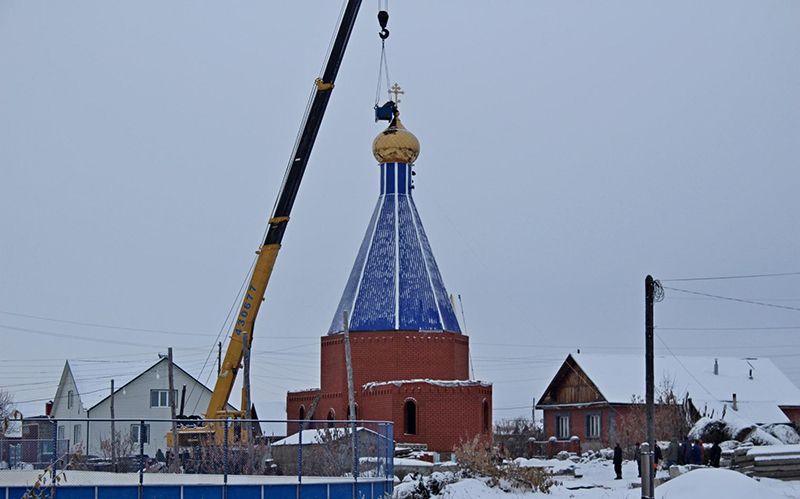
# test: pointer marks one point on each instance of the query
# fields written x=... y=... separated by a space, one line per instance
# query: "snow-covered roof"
x=318 y=436
x=93 y=378
x=619 y=377
x=435 y=382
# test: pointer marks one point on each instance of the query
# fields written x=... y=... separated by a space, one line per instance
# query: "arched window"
x=348 y=413
x=331 y=418
x=485 y=416
x=410 y=417
x=302 y=415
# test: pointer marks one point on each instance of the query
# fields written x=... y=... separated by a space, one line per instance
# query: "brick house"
x=592 y=396
x=410 y=358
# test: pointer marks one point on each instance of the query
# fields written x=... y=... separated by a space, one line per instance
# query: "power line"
x=104 y=326
x=740 y=300
x=728 y=329
x=726 y=277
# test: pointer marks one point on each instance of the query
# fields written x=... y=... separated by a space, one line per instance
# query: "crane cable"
x=383 y=34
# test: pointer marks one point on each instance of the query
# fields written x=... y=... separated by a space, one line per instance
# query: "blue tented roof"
x=395 y=283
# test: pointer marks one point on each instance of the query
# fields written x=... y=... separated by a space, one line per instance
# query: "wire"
x=740 y=300
x=104 y=326
x=76 y=337
x=686 y=369
x=222 y=329
x=719 y=278
x=723 y=329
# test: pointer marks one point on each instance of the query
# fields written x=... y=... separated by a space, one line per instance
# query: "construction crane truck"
x=207 y=432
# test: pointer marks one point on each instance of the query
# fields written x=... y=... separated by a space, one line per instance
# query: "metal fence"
x=354 y=456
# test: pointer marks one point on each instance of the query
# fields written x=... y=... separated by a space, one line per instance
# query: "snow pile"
x=415 y=486
x=553 y=466
x=712 y=482
x=783 y=432
x=737 y=428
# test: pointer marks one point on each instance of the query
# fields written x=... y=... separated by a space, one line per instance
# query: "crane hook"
x=383 y=20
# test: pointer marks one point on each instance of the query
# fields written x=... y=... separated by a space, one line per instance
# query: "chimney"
x=48 y=408
x=716 y=367
x=734 y=406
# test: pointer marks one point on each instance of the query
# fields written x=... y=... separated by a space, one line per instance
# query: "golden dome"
x=395 y=145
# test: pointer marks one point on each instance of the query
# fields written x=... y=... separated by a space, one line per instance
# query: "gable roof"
x=620 y=377
x=92 y=378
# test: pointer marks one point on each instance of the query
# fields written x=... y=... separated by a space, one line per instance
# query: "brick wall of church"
x=393 y=355
x=446 y=415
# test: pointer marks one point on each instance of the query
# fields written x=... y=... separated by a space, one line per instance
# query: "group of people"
x=687 y=452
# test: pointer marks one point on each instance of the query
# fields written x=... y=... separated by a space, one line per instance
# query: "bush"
x=476 y=460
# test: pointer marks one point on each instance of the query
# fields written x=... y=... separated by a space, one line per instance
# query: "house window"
x=140 y=434
x=69 y=399
x=160 y=398
x=410 y=417
x=76 y=434
x=562 y=427
x=302 y=414
x=593 y=426
x=485 y=416
x=60 y=434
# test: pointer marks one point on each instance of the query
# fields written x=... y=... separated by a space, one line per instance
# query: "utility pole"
x=171 y=375
x=649 y=300
x=348 y=359
x=113 y=432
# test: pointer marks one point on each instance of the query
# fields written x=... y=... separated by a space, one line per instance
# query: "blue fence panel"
x=280 y=492
x=241 y=492
x=205 y=492
x=117 y=492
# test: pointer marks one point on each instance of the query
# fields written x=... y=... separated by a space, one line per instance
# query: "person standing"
x=637 y=456
x=714 y=454
x=657 y=456
x=673 y=451
x=696 y=456
x=618 y=461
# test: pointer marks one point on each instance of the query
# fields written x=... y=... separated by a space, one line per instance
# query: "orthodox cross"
x=397 y=93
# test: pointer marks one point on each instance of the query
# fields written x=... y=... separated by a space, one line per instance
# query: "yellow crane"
x=268 y=252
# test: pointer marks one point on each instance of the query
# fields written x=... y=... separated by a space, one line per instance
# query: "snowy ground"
x=598 y=482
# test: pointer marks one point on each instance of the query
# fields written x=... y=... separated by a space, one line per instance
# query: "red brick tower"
x=410 y=358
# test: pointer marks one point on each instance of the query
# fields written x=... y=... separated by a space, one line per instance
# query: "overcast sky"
x=568 y=149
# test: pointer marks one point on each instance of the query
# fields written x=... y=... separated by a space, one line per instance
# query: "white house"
x=141 y=392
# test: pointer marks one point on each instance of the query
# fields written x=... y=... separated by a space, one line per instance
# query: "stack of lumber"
x=770 y=461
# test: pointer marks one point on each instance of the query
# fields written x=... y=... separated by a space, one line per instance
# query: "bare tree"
x=6 y=405
x=670 y=415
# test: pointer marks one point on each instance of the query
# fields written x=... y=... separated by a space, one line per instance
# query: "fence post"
x=387 y=456
x=225 y=461
x=391 y=453
x=300 y=454
x=141 y=458
x=645 y=469
x=54 y=465
x=356 y=461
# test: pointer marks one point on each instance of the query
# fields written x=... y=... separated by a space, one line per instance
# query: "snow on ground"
x=597 y=482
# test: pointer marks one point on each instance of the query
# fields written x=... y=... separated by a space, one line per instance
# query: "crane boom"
x=268 y=252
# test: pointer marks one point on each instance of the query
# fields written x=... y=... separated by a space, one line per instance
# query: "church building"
x=410 y=357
